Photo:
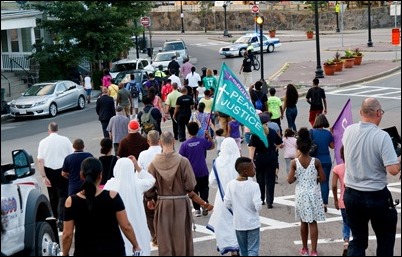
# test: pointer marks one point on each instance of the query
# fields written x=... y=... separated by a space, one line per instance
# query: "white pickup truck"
x=28 y=225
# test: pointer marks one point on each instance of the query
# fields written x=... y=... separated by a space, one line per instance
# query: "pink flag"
x=344 y=119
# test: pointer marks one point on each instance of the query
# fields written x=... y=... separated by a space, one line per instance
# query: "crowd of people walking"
x=143 y=190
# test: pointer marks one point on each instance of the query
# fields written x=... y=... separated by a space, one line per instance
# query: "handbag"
x=314 y=146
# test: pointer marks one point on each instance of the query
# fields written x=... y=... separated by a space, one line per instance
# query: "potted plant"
x=272 y=32
x=358 y=56
x=310 y=33
x=329 y=67
x=338 y=61
x=348 y=59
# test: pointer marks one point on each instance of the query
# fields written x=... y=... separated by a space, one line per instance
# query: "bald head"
x=370 y=110
x=167 y=138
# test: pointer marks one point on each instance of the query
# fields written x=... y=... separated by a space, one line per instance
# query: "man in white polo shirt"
x=52 y=151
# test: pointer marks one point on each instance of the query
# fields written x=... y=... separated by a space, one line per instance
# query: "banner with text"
x=344 y=119
x=232 y=99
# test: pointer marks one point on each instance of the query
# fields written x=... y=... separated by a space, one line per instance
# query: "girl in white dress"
x=307 y=172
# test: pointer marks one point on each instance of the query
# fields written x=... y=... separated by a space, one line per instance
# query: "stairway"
x=14 y=86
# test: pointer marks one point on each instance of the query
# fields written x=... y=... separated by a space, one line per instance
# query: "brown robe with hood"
x=173 y=218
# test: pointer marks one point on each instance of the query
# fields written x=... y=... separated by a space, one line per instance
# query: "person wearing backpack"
x=150 y=117
x=152 y=82
x=258 y=98
x=135 y=92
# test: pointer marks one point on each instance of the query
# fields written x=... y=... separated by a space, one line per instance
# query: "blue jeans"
x=291 y=114
x=376 y=207
x=249 y=242
x=345 y=227
x=325 y=185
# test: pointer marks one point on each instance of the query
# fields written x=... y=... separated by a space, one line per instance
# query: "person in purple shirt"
x=195 y=150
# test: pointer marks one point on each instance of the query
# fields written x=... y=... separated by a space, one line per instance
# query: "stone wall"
x=354 y=19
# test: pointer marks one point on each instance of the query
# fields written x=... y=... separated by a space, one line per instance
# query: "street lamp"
x=182 y=16
x=369 y=43
x=260 y=21
x=337 y=9
x=225 y=31
x=318 y=72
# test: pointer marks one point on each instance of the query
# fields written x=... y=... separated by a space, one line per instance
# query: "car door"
x=13 y=217
x=63 y=96
x=255 y=42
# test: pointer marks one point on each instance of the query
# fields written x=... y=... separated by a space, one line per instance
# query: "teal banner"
x=231 y=98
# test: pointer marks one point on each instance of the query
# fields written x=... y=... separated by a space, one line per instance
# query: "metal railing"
x=9 y=84
x=29 y=79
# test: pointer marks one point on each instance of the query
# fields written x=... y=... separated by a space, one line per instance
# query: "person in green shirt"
x=275 y=108
x=209 y=80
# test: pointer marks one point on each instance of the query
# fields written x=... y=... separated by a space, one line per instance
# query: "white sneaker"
x=197 y=213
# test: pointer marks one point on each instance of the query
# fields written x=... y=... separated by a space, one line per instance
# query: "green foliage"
x=205 y=11
x=329 y=62
x=321 y=4
x=348 y=54
x=88 y=30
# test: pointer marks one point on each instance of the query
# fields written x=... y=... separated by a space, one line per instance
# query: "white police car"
x=238 y=47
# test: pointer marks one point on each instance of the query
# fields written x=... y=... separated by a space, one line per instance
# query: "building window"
x=14 y=40
x=4 y=44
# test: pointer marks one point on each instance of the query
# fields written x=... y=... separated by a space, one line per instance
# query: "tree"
x=94 y=31
x=205 y=11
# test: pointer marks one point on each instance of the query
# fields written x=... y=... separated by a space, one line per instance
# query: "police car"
x=238 y=47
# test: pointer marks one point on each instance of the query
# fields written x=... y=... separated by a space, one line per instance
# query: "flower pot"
x=329 y=69
x=358 y=60
x=310 y=35
x=338 y=66
x=348 y=63
x=272 y=33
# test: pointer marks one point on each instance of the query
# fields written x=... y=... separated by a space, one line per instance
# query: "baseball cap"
x=133 y=125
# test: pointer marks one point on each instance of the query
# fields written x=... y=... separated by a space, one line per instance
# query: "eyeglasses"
x=381 y=110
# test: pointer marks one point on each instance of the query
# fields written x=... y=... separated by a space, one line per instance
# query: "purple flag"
x=344 y=119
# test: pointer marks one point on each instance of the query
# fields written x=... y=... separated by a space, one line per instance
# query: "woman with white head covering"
x=131 y=186
x=221 y=221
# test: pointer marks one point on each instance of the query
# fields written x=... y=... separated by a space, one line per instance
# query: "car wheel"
x=241 y=52
x=52 y=110
x=45 y=240
x=81 y=103
x=270 y=48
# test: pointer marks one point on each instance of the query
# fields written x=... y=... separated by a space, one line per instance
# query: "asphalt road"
x=280 y=231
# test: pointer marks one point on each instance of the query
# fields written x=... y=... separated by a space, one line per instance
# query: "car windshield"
x=41 y=89
x=173 y=46
x=123 y=67
x=243 y=40
x=162 y=57
x=125 y=77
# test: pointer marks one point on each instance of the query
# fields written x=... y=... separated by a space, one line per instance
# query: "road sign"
x=145 y=21
x=255 y=9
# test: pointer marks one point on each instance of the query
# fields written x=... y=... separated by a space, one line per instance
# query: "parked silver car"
x=48 y=98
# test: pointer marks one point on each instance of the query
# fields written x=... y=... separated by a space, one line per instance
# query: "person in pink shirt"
x=289 y=147
x=186 y=68
x=338 y=175
x=107 y=78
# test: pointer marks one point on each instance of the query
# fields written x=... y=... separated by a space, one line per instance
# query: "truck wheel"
x=45 y=240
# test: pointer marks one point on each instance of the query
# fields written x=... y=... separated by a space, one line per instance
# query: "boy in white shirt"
x=243 y=198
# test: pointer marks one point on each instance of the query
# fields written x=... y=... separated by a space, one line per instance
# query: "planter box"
x=348 y=63
x=358 y=60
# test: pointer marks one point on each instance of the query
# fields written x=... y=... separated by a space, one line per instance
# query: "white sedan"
x=238 y=47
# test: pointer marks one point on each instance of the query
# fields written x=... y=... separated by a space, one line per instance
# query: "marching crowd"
x=142 y=191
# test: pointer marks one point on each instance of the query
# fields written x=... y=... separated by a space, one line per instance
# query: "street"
x=280 y=231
